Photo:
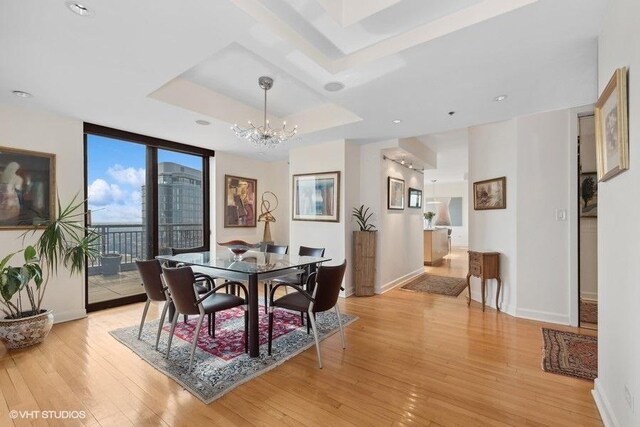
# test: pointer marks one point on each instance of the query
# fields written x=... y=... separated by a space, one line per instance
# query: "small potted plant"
x=364 y=252
x=429 y=217
x=63 y=241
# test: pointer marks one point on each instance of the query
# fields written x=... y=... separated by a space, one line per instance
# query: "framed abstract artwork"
x=395 y=193
x=27 y=187
x=415 y=198
x=240 y=201
x=316 y=197
x=490 y=194
x=612 y=131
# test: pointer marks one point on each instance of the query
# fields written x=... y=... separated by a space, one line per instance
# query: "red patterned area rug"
x=570 y=354
x=220 y=363
x=449 y=286
x=589 y=311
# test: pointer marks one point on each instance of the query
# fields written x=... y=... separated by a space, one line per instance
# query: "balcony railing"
x=130 y=242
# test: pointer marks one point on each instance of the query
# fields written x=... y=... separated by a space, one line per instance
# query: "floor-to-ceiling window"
x=145 y=196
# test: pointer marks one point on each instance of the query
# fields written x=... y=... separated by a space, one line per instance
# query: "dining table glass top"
x=252 y=261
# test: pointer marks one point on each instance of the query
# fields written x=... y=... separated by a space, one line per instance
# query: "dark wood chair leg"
x=270 y=331
x=246 y=331
x=265 y=298
x=213 y=324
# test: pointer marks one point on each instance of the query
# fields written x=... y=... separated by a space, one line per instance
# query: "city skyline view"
x=115 y=175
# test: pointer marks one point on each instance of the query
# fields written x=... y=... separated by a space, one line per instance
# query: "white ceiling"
x=411 y=59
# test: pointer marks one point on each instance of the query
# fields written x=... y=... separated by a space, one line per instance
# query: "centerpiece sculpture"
x=266 y=214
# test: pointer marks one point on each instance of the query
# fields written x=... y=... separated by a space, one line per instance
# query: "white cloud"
x=116 y=213
x=102 y=193
x=131 y=176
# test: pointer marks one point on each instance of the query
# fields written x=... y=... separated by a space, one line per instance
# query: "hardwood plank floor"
x=411 y=359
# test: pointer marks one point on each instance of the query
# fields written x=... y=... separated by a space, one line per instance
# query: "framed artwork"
x=415 y=198
x=588 y=195
x=240 y=201
x=27 y=187
x=490 y=194
x=395 y=193
x=612 y=131
x=316 y=197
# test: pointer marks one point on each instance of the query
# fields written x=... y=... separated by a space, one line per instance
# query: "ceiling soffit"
x=317 y=42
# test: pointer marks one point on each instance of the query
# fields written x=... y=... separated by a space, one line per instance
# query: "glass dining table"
x=252 y=268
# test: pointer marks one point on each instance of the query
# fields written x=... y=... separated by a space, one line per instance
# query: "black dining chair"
x=299 y=276
x=180 y=283
x=151 y=275
x=201 y=274
x=327 y=284
x=272 y=249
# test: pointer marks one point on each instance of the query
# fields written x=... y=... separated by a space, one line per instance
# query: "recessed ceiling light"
x=77 y=8
x=500 y=98
x=203 y=122
x=334 y=86
x=410 y=165
x=396 y=121
x=21 y=94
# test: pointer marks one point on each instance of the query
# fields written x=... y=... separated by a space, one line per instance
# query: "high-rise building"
x=180 y=206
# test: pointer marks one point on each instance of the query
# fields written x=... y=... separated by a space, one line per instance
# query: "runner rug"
x=220 y=364
x=450 y=286
x=570 y=354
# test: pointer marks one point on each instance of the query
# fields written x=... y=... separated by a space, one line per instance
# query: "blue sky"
x=116 y=173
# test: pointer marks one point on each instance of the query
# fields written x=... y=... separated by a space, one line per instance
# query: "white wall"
x=536 y=154
x=618 y=238
x=271 y=177
x=492 y=154
x=459 y=235
x=37 y=131
x=399 y=244
x=326 y=157
x=543 y=186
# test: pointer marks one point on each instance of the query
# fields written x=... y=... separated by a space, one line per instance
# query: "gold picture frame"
x=27 y=188
x=612 y=131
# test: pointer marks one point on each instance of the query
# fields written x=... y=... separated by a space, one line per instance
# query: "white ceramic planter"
x=27 y=331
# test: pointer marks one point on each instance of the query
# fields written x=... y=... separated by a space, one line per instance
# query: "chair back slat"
x=328 y=283
x=307 y=251
x=151 y=275
x=180 y=282
x=276 y=249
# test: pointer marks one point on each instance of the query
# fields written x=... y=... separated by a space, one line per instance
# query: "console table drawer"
x=475 y=269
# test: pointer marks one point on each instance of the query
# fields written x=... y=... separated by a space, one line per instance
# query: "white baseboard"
x=489 y=302
x=399 y=281
x=65 y=316
x=603 y=405
x=589 y=296
x=543 y=316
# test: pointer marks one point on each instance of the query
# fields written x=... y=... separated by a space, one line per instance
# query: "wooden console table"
x=485 y=265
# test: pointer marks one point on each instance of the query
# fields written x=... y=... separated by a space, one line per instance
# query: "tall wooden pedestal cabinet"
x=364 y=262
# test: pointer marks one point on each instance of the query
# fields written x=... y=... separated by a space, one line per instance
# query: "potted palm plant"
x=62 y=241
x=364 y=252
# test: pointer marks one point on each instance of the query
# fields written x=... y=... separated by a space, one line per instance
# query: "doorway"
x=587 y=223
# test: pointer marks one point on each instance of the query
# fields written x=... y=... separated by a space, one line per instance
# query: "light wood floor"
x=411 y=359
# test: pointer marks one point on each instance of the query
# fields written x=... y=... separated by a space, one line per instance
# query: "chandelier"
x=265 y=135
